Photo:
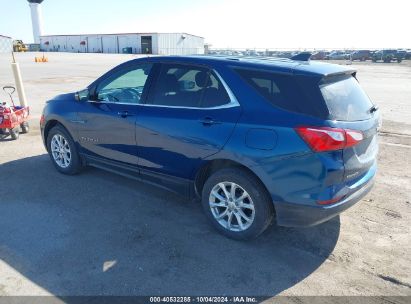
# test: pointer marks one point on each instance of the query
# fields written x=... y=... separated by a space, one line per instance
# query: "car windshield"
x=345 y=99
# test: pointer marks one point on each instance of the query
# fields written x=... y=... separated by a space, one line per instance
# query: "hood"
x=63 y=97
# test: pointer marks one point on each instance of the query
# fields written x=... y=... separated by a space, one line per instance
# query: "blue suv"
x=256 y=139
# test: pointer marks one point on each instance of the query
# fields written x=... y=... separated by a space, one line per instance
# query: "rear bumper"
x=294 y=215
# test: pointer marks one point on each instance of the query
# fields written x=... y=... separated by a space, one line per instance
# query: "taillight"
x=322 y=139
x=353 y=137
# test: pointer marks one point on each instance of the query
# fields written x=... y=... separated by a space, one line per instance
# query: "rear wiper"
x=373 y=109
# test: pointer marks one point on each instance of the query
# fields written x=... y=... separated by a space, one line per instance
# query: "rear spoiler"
x=332 y=76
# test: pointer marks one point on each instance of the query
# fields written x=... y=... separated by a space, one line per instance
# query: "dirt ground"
x=101 y=234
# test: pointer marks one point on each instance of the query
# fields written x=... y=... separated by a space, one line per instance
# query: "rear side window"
x=286 y=92
x=345 y=99
x=188 y=86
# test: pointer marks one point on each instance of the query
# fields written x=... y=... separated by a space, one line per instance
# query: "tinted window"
x=215 y=93
x=345 y=99
x=125 y=86
x=286 y=92
x=187 y=86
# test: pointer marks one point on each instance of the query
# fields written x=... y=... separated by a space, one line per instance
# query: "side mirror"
x=82 y=95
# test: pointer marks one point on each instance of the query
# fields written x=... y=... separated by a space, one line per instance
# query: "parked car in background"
x=361 y=55
x=255 y=139
x=402 y=54
x=287 y=54
x=320 y=55
x=387 y=56
x=337 y=55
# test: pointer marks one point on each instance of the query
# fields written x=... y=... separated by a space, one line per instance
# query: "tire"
x=65 y=157
x=15 y=133
x=25 y=128
x=260 y=216
x=399 y=60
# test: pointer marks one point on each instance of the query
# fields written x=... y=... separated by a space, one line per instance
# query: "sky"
x=312 y=24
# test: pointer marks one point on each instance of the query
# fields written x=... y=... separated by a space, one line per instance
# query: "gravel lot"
x=101 y=234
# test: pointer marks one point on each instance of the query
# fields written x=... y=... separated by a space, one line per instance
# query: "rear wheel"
x=237 y=204
x=25 y=128
x=63 y=151
x=15 y=133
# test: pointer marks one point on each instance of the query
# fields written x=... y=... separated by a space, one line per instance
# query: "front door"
x=107 y=122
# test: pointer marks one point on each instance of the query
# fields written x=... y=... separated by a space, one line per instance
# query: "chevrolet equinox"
x=257 y=139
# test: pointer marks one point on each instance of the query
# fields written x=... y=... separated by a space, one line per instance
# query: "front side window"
x=126 y=86
x=188 y=86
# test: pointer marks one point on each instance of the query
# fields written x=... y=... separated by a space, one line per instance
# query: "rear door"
x=351 y=108
x=189 y=115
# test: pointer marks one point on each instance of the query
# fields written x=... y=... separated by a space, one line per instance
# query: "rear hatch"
x=351 y=109
x=333 y=97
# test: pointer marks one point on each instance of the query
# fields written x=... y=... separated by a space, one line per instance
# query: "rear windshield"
x=345 y=99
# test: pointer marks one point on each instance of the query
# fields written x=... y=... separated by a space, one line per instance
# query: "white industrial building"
x=6 y=44
x=133 y=43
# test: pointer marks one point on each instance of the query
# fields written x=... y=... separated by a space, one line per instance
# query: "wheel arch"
x=51 y=124
x=212 y=166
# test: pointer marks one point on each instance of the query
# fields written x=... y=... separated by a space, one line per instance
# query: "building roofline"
x=5 y=36
x=113 y=34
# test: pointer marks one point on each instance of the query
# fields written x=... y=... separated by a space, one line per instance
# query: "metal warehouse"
x=6 y=44
x=132 y=43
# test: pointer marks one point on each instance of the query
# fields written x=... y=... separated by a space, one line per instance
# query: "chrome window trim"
x=226 y=106
x=233 y=100
x=114 y=103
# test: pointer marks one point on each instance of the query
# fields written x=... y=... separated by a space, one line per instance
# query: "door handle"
x=208 y=121
x=124 y=114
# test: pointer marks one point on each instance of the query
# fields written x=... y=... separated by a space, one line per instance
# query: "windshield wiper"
x=373 y=109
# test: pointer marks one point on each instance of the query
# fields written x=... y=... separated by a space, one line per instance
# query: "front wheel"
x=237 y=204
x=63 y=151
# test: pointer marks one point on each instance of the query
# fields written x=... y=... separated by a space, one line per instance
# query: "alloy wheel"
x=232 y=206
x=60 y=149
